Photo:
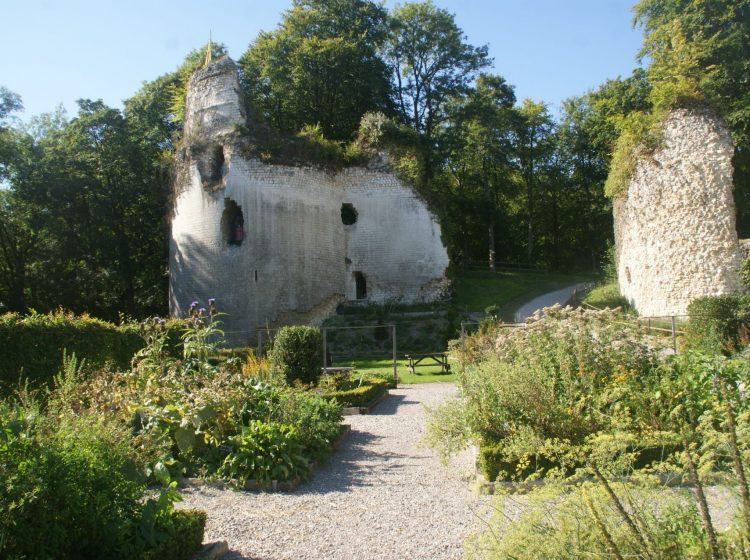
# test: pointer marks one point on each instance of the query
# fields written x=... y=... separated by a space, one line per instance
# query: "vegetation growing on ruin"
x=696 y=53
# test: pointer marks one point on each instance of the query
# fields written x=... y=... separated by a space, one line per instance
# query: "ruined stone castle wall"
x=675 y=228
x=298 y=259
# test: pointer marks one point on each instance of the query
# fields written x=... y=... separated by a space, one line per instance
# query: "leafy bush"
x=264 y=452
x=357 y=393
x=718 y=323
x=73 y=487
x=316 y=419
x=297 y=353
x=183 y=535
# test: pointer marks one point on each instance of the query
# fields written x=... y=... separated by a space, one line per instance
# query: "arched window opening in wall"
x=216 y=167
x=360 y=284
x=348 y=214
x=232 y=223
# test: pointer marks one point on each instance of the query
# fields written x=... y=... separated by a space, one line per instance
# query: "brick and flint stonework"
x=675 y=228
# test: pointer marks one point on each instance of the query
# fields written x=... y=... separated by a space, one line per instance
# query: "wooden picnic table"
x=429 y=359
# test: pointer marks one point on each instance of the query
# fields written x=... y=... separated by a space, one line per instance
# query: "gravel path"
x=379 y=496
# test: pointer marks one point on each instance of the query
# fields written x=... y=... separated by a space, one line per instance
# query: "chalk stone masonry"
x=675 y=230
x=297 y=260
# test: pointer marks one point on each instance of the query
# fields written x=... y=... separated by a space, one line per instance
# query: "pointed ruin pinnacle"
x=209 y=48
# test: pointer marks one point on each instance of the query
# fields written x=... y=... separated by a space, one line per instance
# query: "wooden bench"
x=430 y=359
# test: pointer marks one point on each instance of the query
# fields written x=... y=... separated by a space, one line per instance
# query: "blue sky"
x=56 y=51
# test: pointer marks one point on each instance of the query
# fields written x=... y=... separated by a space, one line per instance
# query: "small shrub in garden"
x=182 y=534
x=264 y=452
x=297 y=353
x=357 y=393
x=718 y=323
x=316 y=419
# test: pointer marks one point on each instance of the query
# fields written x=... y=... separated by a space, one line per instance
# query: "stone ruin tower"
x=675 y=230
x=279 y=244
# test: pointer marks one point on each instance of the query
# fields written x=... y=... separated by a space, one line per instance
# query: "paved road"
x=546 y=300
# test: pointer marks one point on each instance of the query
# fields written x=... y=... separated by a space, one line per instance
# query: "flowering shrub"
x=187 y=412
x=567 y=375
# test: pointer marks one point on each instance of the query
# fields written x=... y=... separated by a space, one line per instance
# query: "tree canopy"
x=83 y=201
x=319 y=67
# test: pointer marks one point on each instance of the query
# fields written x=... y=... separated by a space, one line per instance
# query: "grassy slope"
x=477 y=290
x=606 y=295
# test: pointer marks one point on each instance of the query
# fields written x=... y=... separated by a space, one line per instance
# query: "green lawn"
x=427 y=374
x=606 y=295
x=477 y=290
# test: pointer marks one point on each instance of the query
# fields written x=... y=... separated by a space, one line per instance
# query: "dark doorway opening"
x=232 y=223
x=360 y=285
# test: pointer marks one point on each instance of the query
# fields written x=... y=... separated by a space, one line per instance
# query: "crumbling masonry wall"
x=297 y=259
x=675 y=227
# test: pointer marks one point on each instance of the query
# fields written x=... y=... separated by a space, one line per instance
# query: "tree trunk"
x=491 y=242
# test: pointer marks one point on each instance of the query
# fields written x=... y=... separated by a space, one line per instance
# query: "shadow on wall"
x=189 y=281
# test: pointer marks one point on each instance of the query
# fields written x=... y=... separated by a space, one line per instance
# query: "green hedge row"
x=494 y=462
x=32 y=346
x=371 y=389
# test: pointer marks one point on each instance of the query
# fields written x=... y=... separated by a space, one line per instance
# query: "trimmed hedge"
x=32 y=345
x=297 y=353
x=493 y=461
x=371 y=389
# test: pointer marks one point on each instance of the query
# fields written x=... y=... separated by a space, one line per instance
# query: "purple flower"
x=202 y=310
x=194 y=304
x=211 y=301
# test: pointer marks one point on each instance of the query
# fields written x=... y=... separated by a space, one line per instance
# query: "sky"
x=57 y=51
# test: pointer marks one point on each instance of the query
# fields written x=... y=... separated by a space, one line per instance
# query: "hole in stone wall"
x=232 y=223
x=627 y=274
x=211 y=166
x=360 y=285
x=348 y=214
